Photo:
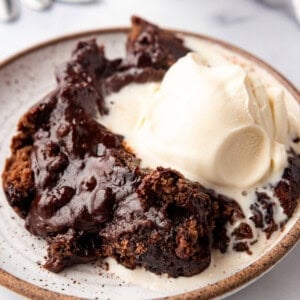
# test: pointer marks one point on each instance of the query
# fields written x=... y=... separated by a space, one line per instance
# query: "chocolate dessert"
x=80 y=187
x=165 y=226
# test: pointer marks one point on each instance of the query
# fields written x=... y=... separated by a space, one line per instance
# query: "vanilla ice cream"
x=215 y=124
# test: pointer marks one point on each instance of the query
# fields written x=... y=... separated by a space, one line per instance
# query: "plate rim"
x=222 y=287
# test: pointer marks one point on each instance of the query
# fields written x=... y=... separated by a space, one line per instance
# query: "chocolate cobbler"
x=80 y=187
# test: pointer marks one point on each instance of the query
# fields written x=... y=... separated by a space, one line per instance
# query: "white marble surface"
x=269 y=32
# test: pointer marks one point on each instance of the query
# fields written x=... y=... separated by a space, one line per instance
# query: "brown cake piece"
x=165 y=226
x=242 y=236
x=18 y=177
x=227 y=211
x=71 y=248
x=149 y=46
x=150 y=53
x=287 y=191
x=18 y=180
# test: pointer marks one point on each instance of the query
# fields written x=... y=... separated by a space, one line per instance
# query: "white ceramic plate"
x=27 y=77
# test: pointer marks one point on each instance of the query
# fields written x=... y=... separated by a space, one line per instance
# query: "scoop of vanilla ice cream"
x=215 y=124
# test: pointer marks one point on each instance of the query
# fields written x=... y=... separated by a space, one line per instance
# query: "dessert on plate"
x=154 y=159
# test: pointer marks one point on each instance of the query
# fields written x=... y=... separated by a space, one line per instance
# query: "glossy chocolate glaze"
x=79 y=170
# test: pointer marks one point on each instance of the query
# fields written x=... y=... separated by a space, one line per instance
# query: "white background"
x=269 y=31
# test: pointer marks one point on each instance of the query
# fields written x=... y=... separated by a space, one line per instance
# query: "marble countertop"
x=271 y=33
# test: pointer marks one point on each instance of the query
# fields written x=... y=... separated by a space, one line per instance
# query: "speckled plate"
x=27 y=77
